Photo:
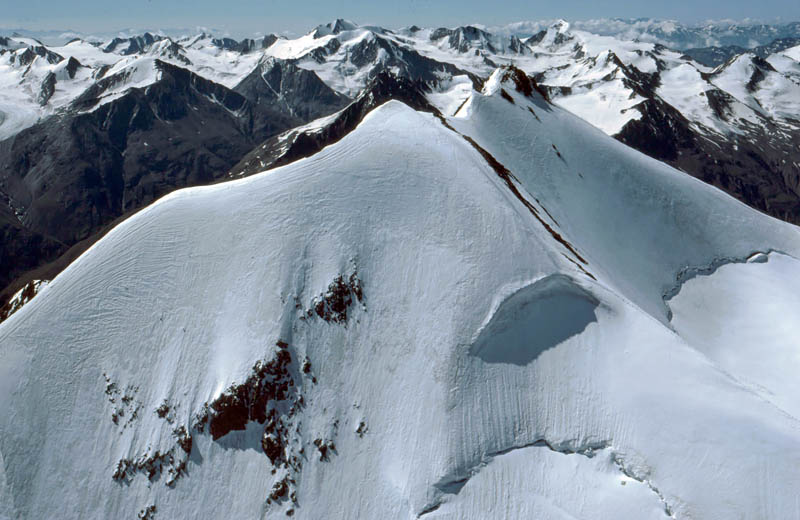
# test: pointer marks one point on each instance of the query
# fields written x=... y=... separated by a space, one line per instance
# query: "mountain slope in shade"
x=297 y=91
x=479 y=316
x=309 y=139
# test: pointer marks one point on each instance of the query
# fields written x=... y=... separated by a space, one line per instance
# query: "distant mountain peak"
x=335 y=27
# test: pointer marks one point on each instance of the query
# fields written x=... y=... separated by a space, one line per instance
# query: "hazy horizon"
x=239 y=18
x=62 y=33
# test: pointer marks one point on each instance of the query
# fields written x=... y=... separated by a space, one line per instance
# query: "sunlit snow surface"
x=750 y=326
x=615 y=412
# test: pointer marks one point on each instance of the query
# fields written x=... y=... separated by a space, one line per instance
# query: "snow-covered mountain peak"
x=512 y=268
x=756 y=83
x=135 y=72
x=555 y=36
x=11 y=43
x=131 y=45
x=471 y=39
x=335 y=27
x=512 y=78
x=168 y=49
x=561 y=26
x=727 y=128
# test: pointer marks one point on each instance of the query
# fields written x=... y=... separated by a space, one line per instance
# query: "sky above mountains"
x=248 y=17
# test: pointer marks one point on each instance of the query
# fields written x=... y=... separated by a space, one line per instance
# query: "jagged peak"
x=137 y=43
x=746 y=61
x=391 y=85
x=467 y=32
x=510 y=76
x=469 y=38
x=555 y=35
x=335 y=27
x=560 y=26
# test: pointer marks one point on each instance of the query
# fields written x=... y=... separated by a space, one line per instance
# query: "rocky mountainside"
x=502 y=313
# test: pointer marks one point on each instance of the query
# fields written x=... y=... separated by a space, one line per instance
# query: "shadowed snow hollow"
x=534 y=319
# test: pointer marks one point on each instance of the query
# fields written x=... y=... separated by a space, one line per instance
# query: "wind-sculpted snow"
x=750 y=329
x=689 y=272
x=602 y=497
x=497 y=343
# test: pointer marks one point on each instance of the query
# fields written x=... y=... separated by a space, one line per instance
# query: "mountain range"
x=672 y=33
x=541 y=271
x=93 y=131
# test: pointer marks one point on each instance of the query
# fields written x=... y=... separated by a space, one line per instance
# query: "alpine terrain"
x=91 y=131
x=406 y=274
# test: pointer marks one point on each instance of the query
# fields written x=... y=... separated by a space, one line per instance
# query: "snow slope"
x=741 y=302
x=506 y=351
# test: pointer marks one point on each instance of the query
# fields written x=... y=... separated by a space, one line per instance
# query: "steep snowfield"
x=336 y=70
x=299 y=47
x=506 y=352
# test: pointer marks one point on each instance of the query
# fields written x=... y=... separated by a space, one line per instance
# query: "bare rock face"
x=22 y=297
x=298 y=91
x=332 y=306
x=48 y=88
x=272 y=396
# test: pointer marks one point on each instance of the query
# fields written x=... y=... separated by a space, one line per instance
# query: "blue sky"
x=246 y=17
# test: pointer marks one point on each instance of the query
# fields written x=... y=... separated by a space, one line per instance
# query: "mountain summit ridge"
x=732 y=126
